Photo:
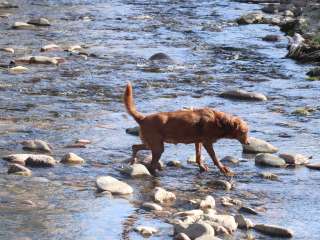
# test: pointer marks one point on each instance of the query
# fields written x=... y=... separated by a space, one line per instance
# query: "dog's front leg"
x=203 y=167
x=225 y=170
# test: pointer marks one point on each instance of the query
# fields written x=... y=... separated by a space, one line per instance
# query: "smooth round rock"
x=72 y=158
x=226 y=221
x=39 y=22
x=18 y=69
x=269 y=175
x=22 y=26
x=208 y=202
x=146 y=231
x=243 y=223
x=136 y=170
x=152 y=206
x=230 y=159
x=273 y=230
x=258 y=146
x=36 y=145
x=112 y=185
x=249 y=210
x=40 y=161
x=133 y=131
x=50 y=47
x=220 y=184
x=17 y=158
x=294 y=158
x=18 y=169
x=243 y=95
x=271 y=38
x=174 y=163
x=267 y=159
x=315 y=166
x=160 y=57
x=161 y=195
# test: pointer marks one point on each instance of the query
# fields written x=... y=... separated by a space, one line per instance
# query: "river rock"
x=208 y=202
x=243 y=95
x=83 y=141
x=162 y=57
x=133 y=131
x=243 y=223
x=181 y=236
x=18 y=169
x=50 y=47
x=273 y=230
x=39 y=22
x=315 y=166
x=112 y=185
x=226 y=221
x=151 y=206
x=248 y=210
x=40 y=161
x=146 y=231
x=220 y=184
x=7 y=49
x=6 y=5
x=250 y=18
x=271 y=38
x=136 y=170
x=17 y=158
x=174 y=163
x=294 y=159
x=193 y=213
x=228 y=202
x=18 y=69
x=269 y=175
x=36 y=145
x=161 y=195
x=268 y=159
x=230 y=159
x=196 y=230
x=258 y=146
x=39 y=60
x=22 y=26
x=72 y=158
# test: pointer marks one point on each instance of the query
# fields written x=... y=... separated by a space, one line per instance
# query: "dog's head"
x=241 y=131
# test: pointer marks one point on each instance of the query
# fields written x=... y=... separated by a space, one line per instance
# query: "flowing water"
x=81 y=98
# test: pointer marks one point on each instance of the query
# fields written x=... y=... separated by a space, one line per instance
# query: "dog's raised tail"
x=129 y=103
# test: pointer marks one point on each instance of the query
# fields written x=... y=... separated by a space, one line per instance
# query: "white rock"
x=36 y=145
x=18 y=69
x=227 y=221
x=151 y=206
x=273 y=230
x=294 y=159
x=243 y=95
x=72 y=158
x=208 y=202
x=161 y=195
x=269 y=175
x=230 y=159
x=50 y=47
x=268 y=159
x=9 y=50
x=146 y=231
x=136 y=170
x=259 y=146
x=22 y=26
x=110 y=184
x=83 y=141
x=18 y=169
x=196 y=230
x=17 y=158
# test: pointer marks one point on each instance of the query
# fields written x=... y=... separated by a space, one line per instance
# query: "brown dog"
x=199 y=126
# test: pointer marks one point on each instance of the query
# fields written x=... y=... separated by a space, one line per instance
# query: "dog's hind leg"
x=225 y=170
x=135 y=149
x=203 y=167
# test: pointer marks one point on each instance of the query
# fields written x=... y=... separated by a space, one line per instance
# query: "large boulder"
x=267 y=159
x=273 y=230
x=112 y=185
x=258 y=146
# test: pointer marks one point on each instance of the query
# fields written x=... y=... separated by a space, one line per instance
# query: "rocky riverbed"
x=66 y=139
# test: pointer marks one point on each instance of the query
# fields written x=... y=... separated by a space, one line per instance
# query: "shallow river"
x=82 y=99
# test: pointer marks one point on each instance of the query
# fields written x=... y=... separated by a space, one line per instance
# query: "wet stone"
x=50 y=47
x=249 y=210
x=17 y=158
x=271 y=38
x=18 y=69
x=315 y=166
x=22 y=26
x=174 y=163
x=83 y=141
x=112 y=185
x=269 y=175
x=259 y=146
x=208 y=202
x=273 y=230
x=9 y=50
x=40 y=161
x=161 y=195
x=226 y=221
x=133 y=131
x=39 y=22
x=181 y=236
x=250 y=18
x=72 y=158
x=146 y=231
x=136 y=170
x=6 y=5
x=160 y=57
x=267 y=159
x=196 y=230
x=151 y=206
x=36 y=145
x=230 y=159
x=18 y=169
x=294 y=159
x=243 y=223
x=243 y=95
x=220 y=184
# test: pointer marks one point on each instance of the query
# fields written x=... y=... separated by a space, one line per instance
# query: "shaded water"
x=82 y=99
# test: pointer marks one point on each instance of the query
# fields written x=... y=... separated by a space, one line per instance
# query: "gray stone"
x=230 y=159
x=315 y=166
x=199 y=229
x=133 y=131
x=72 y=158
x=273 y=230
x=39 y=22
x=250 y=18
x=160 y=57
x=294 y=159
x=146 y=231
x=259 y=146
x=36 y=145
x=112 y=185
x=243 y=223
x=136 y=170
x=243 y=95
x=151 y=206
x=174 y=163
x=267 y=159
x=226 y=221
x=40 y=160
x=248 y=210
x=18 y=169
x=269 y=175
x=181 y=236
x=22 y=26
x=161 y=195
x=220 y=184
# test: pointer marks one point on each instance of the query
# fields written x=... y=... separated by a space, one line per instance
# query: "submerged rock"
x=160 y=57
x=250 y=18
x=161 y=195
x=136 y=170
x=133 y=131
x=36 y=145
x=151 y=206
x=39 y=60
x=72 y=158
x=9 y=50
x=22 y=26
x=40 y=161
x=18 y=169
x=6 y=5
x=39 y=22
x=294 y=159
x=243 y=95
x=228 y=202
x=273 y=230
x=259 y=146
x=268 y=159
x=112 y=185
x=146 y=231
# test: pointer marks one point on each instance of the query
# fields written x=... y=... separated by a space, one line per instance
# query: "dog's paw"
x=226 y=171
x=203 y=168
